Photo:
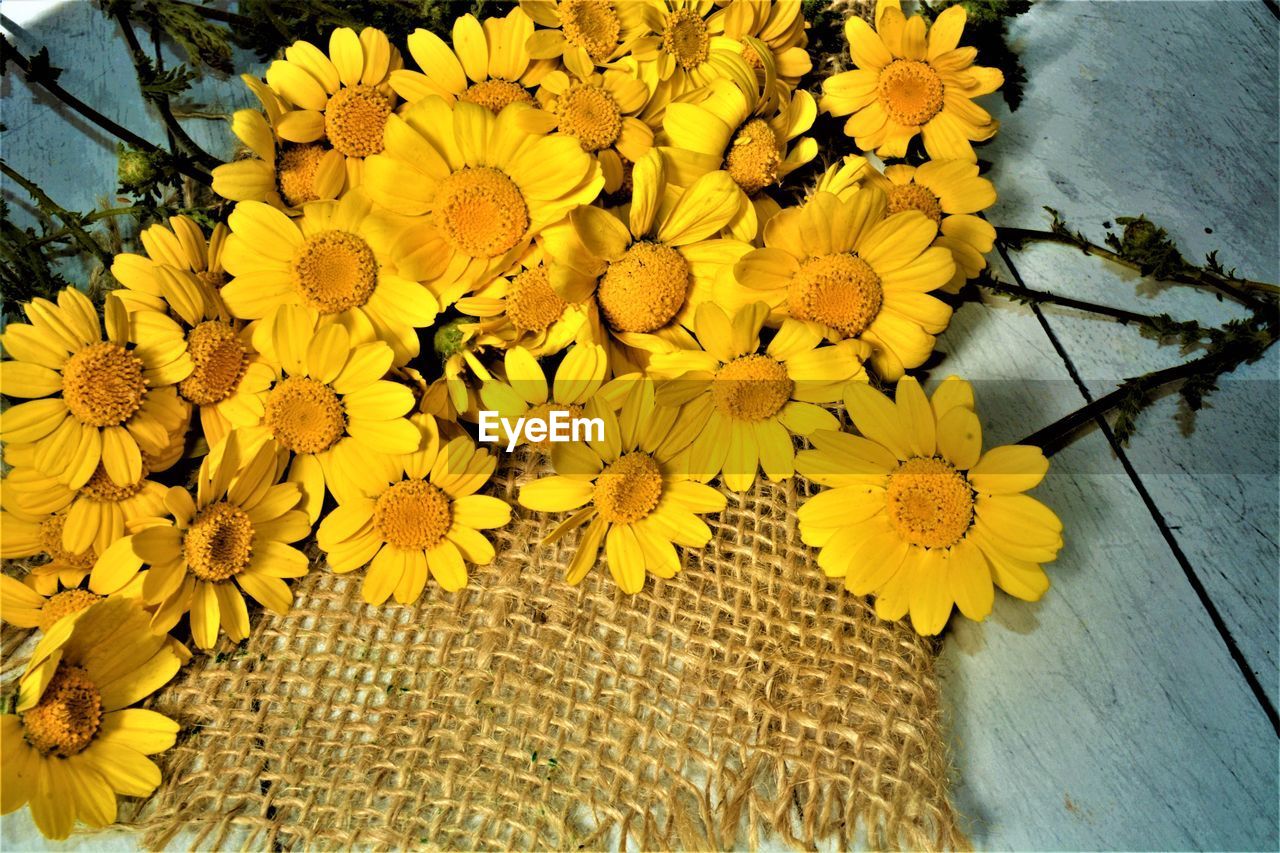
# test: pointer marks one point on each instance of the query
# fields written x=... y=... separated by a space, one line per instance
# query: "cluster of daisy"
x=581 y=206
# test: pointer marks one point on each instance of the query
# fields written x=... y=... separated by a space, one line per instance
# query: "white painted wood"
x=1168 y=109
x=1110 y=714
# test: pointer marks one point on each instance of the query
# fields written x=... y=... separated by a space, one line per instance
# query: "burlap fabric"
x=747 y=697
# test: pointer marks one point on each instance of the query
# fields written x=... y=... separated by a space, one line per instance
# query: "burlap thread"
x=748 y=697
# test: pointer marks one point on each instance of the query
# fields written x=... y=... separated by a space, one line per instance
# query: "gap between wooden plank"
x=1214 y=616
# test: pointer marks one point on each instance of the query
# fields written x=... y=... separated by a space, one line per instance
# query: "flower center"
x=103 y=489
x=751 y=388
x=840 y=291
x=334 y=271
x=64 y=604
x=493 y=95
x=51 y=542
x=930 y=503
x=645 y=289
x=296 y=167
x=67 y=716
x=220 y=361
x=753 y=158
x=910 y=92
x=219 y=543
x=532 y=304
x=590 y=115
x=915 y=197
x=628 y=489
x=750 y=56
x=354 y=119
x=482 y=211
x=686 y=38
x=412 y=514
x=543 y=411
x=305 y=415
x=592 y=25
x=103 y=385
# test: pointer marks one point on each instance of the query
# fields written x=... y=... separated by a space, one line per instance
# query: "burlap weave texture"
x=747 y=697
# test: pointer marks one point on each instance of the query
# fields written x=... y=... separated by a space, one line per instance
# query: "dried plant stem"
x=181 y=164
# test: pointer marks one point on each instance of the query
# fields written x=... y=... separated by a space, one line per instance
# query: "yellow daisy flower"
x=97 y=514
x=684 y=55
x=649 y=266
x=24 y=607
x=525 y=392
x=774 y=29
x=842 y=178
x=746 y=404
x=425 y=519
x=177 y=316
x=918 y=515
x=26 y=535
x=600 y=111
x=334 y=263
x=853 y=272
x=343 y=98
x=908 y=81
x=488 y=65
x=74 y=744
x=949 y=192
x=521 y=308
x=283 y=174
x=630 y=489
x=91 y=400
x=726 y=129
x=229 y=541
x=481 y=186
x=329 y=405
x=587 y=33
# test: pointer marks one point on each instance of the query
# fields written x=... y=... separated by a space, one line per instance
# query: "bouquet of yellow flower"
x=606 y=214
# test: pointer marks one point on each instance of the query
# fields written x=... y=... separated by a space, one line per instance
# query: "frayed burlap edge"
x=747 y=698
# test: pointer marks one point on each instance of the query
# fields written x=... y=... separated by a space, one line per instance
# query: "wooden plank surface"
x=1111 y=714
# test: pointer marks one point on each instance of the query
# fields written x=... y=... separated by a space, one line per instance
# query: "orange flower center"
x=628 y=489
x=930 y=503
x=220 y=361
x=915 y=197
x=751 y=388
x=354 y=119
x=296 y=167
x=67 y=716
x=592 y=25
x=482 y=212
x=103 y=385
x=335 y=271
x=910 y=92
x=590 y=115
x=645 y=289
x=64 y=604
x=493 y=95
x=103 y=489
x=305 y=415
x=413 y=514
x=753 y=158
x=685 y=38
x=532 y=304
x=840 y=291
x=219 y=543
x=51 y=542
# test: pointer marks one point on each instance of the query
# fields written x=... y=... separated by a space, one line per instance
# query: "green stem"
x=88 y=219
x=181 y=164
x=171 y=123
x=69 y=220
x=1193 y=276
x=1067 y=302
